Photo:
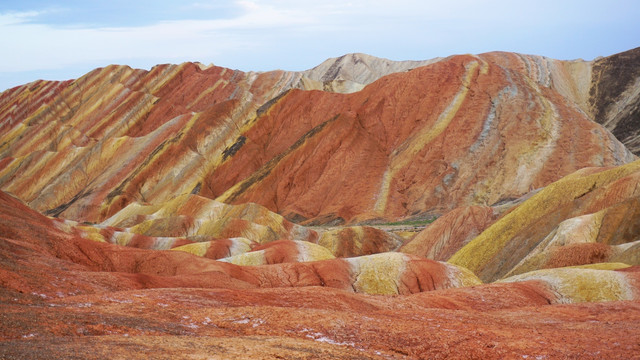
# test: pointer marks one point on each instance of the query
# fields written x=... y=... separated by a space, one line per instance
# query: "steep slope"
x=118 y=134
x=352 y=72
x=614 y=96
x=437 y=137
x=605 y=89
x=446 y=135
x=561 y=225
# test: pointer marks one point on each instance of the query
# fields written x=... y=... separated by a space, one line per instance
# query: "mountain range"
x=468 y=206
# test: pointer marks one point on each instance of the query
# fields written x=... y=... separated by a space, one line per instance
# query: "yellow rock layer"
x=253 y=258
x=312 y=252
x=602 y=266
x=239 y=245
x=91 y=233
x=575 y=285
x=407 y=151
x=461 y=277
x=581 y=229
x=210 y=218
x=199 y=249
x=484 y=247
x=378 y=274
x=331 y=240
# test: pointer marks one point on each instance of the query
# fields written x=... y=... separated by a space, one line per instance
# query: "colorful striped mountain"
x=473 y=206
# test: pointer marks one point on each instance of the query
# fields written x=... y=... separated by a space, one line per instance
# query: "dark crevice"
x=266 y=169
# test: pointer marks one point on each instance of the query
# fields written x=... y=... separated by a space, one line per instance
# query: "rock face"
x=281 y=251
x=193 y=216
x=359 y=240
x=167 y=211
x=614 y=96
x=448 y=134
x=450 y=232
x=570 y=217
x=454 y=135
x=351 y=72
x=66 y=296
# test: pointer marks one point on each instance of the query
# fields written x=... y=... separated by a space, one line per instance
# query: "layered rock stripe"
x=448 y=134
x=409 y=156
x=589 y=216
x=38 y=236
x=450 y=232
x=58 y=286
x=197 y=159
x=359 y=240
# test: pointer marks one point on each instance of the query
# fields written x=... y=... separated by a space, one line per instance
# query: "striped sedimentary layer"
x=61 y=288
x=606 y=89
x=28 y=235
x=450 y=232
x=614 y=96
x=68 y=261
x=281 y=263
x=441 y=136
x=281 y=251
x=358 y=240
x=193 y=216
x=451 y=133
x=586 y=284
x=590 y=216
x=146 y=152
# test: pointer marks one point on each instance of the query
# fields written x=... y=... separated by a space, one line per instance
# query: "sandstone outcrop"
x=606 y=89
x=195 y=216
x=359 y=240
x=218 y=249
x=461 y=153
x=192 y=211
x=425 y=141
x=587 y=284
x=352 y=72
x=592 y=206
x=449 y=233
x=281 y=251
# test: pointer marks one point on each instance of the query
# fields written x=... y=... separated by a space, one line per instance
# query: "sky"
x=59 y=40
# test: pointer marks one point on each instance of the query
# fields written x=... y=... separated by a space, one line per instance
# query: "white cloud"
x=44 y=46
x=298 y=34
x=13 y=18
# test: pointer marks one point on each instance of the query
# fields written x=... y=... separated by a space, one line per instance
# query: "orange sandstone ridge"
x=201 y=212
x=448 y=134
x=65 y=294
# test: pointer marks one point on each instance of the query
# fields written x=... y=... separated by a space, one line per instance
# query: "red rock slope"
x=63 y=296
x=462 y=131
x=449 y=134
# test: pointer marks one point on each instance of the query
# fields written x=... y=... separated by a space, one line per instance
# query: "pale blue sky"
x=58 y=40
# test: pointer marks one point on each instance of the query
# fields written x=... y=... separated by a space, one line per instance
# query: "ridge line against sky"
x=43 y=39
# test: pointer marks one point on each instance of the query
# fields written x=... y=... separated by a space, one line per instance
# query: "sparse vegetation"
x=410 y=222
